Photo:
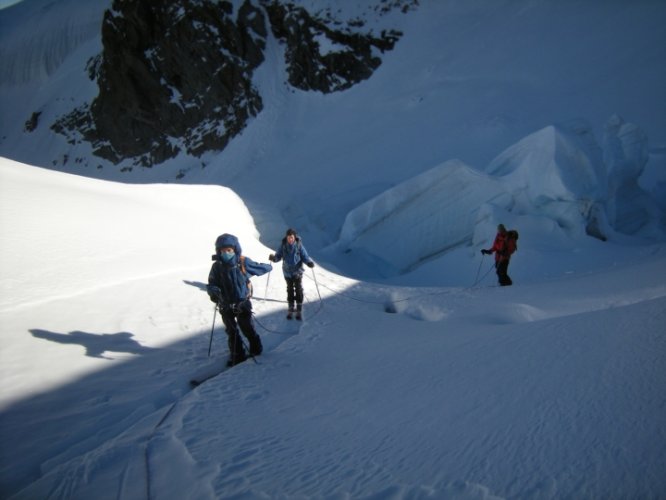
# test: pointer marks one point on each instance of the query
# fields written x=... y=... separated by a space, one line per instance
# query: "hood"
x=227 y=240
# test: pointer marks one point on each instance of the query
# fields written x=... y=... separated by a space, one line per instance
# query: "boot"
x=256 y=348
x=290 y=314
x=235 y=359
x=299 y=311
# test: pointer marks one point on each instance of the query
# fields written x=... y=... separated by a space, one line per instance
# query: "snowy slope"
x=431 y=384
x=96 y=278
x=551 y=389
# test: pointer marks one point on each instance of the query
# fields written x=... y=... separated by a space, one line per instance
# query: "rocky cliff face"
x=176 y=75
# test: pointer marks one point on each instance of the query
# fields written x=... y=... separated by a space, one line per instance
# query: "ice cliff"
x=558 y=177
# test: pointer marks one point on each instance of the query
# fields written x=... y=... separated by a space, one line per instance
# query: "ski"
x=207 y=372
x=196 y=382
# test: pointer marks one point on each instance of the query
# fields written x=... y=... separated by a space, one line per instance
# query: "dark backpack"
x=511 y=241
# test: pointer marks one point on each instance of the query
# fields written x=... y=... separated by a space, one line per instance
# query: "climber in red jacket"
x=503 y=247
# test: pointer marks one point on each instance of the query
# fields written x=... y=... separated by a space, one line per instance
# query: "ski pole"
x=210 y=344
x=316 y=285
x=268 y=280
x=483 y=255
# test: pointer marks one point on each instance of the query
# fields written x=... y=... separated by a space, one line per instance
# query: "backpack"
x=511 y=241
x=241 y=264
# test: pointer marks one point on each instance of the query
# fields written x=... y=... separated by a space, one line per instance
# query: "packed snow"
x=413 y=375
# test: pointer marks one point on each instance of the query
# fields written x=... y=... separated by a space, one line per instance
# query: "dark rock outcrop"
x=311 y=66
x=176 y=75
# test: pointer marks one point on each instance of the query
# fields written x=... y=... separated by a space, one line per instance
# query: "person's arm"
x=305 y=257
x=255 y=268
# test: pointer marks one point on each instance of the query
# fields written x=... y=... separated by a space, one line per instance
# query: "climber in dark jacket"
x=293 y=255
x=230 y=288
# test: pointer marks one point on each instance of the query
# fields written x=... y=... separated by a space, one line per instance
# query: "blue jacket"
x=292 y=257
x=229 y=277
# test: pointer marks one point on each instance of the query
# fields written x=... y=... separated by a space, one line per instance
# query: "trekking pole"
x=210 y=344
x=483 y=255
x=268 y=280
x=218 y=293
x=316 y=285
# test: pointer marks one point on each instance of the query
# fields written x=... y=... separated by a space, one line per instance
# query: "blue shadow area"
x=45 y=430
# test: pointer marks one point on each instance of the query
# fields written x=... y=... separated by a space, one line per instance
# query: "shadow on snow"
x=96 y=344
x=46 y=430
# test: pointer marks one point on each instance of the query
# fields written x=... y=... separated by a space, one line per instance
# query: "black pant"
x=234 y=318
x=502 y=268
x=294 y=290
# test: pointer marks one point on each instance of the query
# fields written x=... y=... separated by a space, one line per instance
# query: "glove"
x=271 y=257
x=486 y=252
x=214 y=293
x=310 y=264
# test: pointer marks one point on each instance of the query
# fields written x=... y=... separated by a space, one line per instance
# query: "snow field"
x=549 y=388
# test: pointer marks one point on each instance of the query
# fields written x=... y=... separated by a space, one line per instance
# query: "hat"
x=291 y=232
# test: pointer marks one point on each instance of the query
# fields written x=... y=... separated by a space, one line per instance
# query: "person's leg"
x=507 y=278
x=247 y=327
x=291 y=292
x=236 y=350
x=502 y=267
x=298 y=293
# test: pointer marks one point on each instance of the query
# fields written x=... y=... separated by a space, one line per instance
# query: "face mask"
x=227 y=256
